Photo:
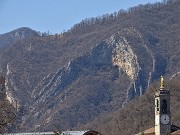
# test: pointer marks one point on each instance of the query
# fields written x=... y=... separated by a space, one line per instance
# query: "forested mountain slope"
x=95 y=68
x=138 y=115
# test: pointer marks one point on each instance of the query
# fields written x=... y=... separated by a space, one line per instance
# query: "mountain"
x=138 y=115
x=9 y=39
x=18 y=34
x=94 y=69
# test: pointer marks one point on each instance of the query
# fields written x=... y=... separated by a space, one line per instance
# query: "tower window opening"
x=164 y=106
x=157 y=104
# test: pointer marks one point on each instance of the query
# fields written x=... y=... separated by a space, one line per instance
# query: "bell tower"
x=162 y=110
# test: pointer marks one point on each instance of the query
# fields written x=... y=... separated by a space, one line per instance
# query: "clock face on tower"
x=165 y=119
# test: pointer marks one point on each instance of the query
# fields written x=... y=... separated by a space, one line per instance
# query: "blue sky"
x=56 y=15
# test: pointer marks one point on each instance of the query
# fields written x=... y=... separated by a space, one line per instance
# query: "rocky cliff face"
x=109 y=60
x=92 y=70
x=57 y=87
x=107 y=77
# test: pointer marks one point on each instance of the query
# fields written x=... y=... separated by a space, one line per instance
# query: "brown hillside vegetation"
x=138 y=115
x=7 y=111
x=7 y=115
x=70 y=79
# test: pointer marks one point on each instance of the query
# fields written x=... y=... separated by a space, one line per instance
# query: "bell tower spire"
x=162 y=83
x=162 y=110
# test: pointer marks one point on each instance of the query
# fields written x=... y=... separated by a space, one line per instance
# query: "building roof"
x=73 y=132
x=90 y=132
x=176 y=132
x=149 y=131
x=30 y=133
